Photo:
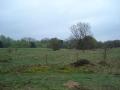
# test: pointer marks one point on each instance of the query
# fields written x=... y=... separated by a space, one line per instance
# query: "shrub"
x=55 y=44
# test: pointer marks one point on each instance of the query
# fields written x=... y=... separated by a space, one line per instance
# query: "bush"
x=55 y=44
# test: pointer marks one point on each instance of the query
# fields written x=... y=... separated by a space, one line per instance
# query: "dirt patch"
x=72 y=85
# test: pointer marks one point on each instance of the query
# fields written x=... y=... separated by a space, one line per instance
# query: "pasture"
x=45 y=69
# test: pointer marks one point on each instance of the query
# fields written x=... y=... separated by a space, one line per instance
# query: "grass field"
x=44 y=69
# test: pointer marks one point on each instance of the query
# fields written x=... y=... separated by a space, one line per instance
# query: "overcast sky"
x=53 y=18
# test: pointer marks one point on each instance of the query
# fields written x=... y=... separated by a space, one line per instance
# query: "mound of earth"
x=72 y=85
x=81 y=62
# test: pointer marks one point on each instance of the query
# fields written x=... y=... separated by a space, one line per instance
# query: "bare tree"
x=80 y=30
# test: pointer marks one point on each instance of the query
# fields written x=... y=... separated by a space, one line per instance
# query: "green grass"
x=26 y=69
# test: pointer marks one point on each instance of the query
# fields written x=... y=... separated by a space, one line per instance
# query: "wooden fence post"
x=46 y=57
x=105 y=53
x=77 y=56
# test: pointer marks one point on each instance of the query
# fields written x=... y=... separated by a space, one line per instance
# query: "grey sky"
x=52 y=18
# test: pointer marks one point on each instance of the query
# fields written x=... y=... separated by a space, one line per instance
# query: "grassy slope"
x=14 y=76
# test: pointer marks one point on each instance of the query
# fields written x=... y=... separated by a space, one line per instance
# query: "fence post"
x=46 y=57
x=77 y=56
x=105 y=53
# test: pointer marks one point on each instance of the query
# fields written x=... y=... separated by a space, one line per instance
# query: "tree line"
x=88 y=42
x=80 y=39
